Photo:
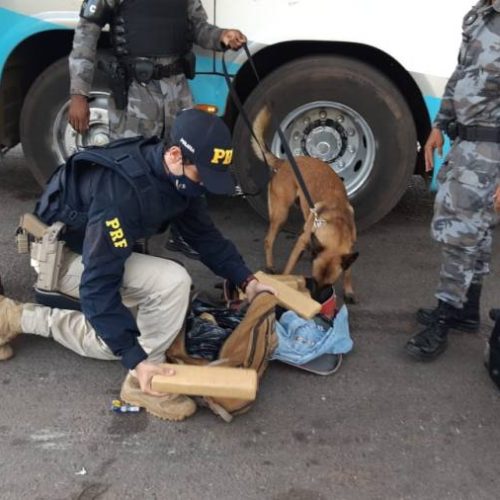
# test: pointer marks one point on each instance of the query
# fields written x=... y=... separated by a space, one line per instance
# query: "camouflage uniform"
x=464 y=212
x=151 y=108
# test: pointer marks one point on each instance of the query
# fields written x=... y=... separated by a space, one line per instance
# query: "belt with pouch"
x=143 y=69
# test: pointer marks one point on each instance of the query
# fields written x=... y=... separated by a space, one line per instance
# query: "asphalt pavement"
x=383 y=427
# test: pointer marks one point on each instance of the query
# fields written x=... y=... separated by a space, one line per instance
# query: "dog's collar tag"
x=318 y=222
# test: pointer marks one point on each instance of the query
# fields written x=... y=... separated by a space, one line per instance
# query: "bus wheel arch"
x=24 y=63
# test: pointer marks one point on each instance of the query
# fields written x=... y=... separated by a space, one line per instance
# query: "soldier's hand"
x=233 y=39
x=255 y=287
x=435 y=141
x=79 y=113
x=496 y=199
x=145 y=372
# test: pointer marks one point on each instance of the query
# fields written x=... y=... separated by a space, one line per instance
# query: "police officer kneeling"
x=133 y=305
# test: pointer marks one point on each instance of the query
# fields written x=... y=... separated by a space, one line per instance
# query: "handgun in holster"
x=118 y=80
x=45 y=248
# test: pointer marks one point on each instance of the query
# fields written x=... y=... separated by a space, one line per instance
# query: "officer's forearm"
x=446 y=111
x=445 y=115
x=82 y=58
x=205 y=35
x=209 y=37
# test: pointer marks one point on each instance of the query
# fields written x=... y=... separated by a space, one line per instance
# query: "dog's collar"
x=318 y=221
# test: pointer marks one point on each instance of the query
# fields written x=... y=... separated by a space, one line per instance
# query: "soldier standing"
x=152 y=58
x=464 y=212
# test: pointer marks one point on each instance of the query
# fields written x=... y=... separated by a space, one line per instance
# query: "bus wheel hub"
x=324 y=140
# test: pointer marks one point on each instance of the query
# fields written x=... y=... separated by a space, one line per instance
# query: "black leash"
x=241 y=109
x=275 y=124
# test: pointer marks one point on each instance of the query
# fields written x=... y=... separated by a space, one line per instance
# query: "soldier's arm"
x=205 y=35
x=82 y=59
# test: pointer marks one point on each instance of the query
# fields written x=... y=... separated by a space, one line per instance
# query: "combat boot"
x=10 y=325
x=168 y=407
x=433 y=340
x=466 y=320
x=494 y=314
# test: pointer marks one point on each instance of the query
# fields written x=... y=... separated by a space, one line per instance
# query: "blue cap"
x=206 y=141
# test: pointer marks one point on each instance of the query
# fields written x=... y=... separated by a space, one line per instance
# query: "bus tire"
x=347 y=113
x=46 y=136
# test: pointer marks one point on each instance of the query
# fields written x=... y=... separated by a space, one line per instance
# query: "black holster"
x=118 y=80
x=189 y=62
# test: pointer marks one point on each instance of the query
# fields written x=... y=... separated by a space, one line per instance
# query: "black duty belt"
x=144 y=70
x=477 y=133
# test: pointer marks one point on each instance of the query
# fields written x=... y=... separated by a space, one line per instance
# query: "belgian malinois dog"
x=330 y=235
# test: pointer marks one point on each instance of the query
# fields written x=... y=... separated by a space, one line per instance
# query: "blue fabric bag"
x=301 y=340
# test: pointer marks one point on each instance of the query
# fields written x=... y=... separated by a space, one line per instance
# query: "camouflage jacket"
x=472 y=94
x=82 y=59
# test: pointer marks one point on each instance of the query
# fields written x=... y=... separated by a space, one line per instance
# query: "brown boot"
x=10 y=325
x=167 y=407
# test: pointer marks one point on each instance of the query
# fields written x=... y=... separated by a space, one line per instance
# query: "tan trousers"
x=155 y=290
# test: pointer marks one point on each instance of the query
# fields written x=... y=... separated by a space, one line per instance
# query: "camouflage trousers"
x=151 y=108
x=464 y=217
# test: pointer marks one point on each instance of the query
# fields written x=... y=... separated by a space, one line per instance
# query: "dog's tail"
x=260 y=125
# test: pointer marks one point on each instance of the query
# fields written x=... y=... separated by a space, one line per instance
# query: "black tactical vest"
x=125 y=158
x=151 y=28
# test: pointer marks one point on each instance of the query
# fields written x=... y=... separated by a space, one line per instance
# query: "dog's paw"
x=270 y=270
x=350 y=298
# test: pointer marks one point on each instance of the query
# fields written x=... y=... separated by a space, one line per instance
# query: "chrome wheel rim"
x=334 y=133
x=67 y=141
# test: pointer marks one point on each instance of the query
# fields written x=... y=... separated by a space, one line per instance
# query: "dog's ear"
x=315 y=246
x=348 y=260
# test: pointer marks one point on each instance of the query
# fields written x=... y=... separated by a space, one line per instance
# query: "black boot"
x=176 y=243
x=492 y=352
x=494 y=314
x=432 y=341
x=466 y=320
